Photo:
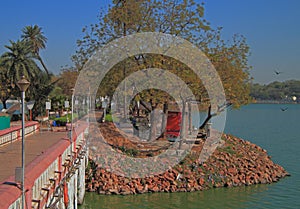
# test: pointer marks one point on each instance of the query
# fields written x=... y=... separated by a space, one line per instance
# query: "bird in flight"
x=283 y=109
x=277 y=72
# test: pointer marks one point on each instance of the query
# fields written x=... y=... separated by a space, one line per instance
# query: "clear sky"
x=272 y=29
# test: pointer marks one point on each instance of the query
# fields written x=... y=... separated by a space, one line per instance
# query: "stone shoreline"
x=235 y=163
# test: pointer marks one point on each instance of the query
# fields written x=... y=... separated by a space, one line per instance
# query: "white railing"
x=14 y=133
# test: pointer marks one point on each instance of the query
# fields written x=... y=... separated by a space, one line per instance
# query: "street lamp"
x=23 y=84
x=72 y=115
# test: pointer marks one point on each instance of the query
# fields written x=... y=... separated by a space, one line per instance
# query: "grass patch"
x=129 y=152
x=110 y=118
x=227 y=149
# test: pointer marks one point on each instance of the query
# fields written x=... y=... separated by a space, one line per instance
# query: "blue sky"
x=270 y=26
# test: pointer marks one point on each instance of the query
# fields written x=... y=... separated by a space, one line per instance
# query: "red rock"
x=140 y=189
x=236 y=181
x=154 y=189
x=222 y=173
x=173 y=188
x=254 y=167
x=132 y=191
x=201 y=181
x=113 y=191
x=228 y=184
x=232 y=171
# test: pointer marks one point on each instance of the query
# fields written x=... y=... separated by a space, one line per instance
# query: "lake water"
x=263 y=124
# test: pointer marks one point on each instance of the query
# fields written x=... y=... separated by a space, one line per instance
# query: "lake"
x=266 y=125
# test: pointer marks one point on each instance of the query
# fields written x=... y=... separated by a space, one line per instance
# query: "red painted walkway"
x=35 y=145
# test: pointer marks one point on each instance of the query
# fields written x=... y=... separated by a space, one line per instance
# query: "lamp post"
x=23 y=84
x=72 y=116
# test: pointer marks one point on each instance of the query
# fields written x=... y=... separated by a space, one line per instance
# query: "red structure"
x=173 y=124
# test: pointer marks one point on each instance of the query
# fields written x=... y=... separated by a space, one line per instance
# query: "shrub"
x=110 y=118
x=62 y=121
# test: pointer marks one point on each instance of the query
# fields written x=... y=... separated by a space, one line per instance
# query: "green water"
x=266 y=125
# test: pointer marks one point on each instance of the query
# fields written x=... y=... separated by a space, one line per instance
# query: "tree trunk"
x=190 y=117
x=43 y=64
x=209 y=116
x=183 y=121
x=145 y=106
x=164 y=120
x=4 y=103
x=124 y=73
x=125 y=92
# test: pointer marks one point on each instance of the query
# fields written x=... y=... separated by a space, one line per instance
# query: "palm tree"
x=34 y=36
x=18 y=61
x=5 y=87
x=39 y=91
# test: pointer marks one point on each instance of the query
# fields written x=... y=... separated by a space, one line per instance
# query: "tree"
x=39 y=91
x=67 y=80
x=57 y=98
x=184 y=18
x=125 y=17
x=276 y=91
x=6 y=88
x=35 y=38
x=19 y=61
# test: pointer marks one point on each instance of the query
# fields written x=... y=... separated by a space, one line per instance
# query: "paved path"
x=35 y=145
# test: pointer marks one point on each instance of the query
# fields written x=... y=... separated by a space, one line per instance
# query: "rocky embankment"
x=237 y=162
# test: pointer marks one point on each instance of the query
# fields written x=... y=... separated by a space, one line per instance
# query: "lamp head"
x=23 y=84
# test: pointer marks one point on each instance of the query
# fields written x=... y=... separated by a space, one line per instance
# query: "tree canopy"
x=184 y=18
x=20 y=59
x=35 y=38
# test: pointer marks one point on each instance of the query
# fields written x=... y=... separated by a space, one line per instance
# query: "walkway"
x=35 y=145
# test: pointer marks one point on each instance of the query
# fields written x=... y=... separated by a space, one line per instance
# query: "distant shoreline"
x=273 y=102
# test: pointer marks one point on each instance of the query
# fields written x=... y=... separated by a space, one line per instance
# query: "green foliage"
x=20 y=59
x=129 y=152
x=62 y=121
x=110 y=118
x=276 y=91
x=183 y=18
x=228 y=149
x=57 y=98
x=39 y=91
x=35 y=38
x=67 y=80
x=180 y=18
x=6 y=88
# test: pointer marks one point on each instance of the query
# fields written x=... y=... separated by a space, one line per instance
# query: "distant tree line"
x=286 y=91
